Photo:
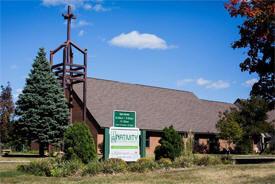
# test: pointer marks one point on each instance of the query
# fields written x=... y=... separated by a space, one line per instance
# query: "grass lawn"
x=224 y=174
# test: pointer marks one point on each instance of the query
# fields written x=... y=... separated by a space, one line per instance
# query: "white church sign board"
x=124 y=143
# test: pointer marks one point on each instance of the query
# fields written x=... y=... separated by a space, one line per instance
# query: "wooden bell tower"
x=68 y=72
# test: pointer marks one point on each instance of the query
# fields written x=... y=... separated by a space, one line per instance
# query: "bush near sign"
x=125 y=119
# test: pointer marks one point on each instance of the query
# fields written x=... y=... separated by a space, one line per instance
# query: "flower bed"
x=61 y=168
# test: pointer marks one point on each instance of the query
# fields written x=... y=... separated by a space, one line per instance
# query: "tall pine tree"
x=41 y=108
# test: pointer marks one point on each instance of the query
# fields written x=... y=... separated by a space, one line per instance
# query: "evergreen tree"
x=79 y=143
x=43 y=115
x=171 y=144
x=6 y=111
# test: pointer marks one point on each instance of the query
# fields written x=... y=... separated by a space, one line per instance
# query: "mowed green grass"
x=223 y=174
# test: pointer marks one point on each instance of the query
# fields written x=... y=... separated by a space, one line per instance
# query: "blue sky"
x=183 y=45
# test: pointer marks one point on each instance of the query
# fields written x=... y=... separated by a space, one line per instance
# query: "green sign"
x=125 y=119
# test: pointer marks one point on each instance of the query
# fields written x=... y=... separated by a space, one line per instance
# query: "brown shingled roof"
x=156 y=107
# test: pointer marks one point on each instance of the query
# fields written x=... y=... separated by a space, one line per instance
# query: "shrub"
x=183 y=161
x=189 y=146
x=165 y=162
x=101 y=148
x=94 y=167
x=200 y=148
x=214 y=146
x=215 y=160
x=244 y=146
x=201 y=161
x=53 y=167
x=226 y=159
x=206 y=160
x=114 y=165
x=135 y=167
x=147 y=164
x=171 y=144
x=73 y=167
x=57 y=171
x=38 y=167
x=79 y=143
x=142 y=165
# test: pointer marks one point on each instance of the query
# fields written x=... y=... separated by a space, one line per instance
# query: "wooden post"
x=85 y=88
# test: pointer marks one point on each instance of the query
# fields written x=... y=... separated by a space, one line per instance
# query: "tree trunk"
x=50 y=148
x=41 y=149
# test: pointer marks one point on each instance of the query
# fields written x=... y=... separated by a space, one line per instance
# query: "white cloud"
x=99 y=7
x=87 y=6
x=202 y=81
x=18 y=92
x=54 y=2
x=81 y=33
x=73 y=3
x=139 y=41
x=219 y=85
x=183 y=82
x=250 y=82
x=83 y=23
x=98 y=1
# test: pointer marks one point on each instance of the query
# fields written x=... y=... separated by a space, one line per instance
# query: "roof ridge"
x=217 y=101
x=143 y=85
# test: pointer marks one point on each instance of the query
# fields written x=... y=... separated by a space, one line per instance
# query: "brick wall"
x=100 y=139
x=154 y=142
x=77 y=117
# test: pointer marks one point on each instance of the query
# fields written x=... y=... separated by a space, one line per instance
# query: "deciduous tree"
x=253 y=118
x=249 y=121
x=257 y=35
x=228 y=127
x=6 y=111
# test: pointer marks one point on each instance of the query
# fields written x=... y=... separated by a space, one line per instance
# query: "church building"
x=155 y=107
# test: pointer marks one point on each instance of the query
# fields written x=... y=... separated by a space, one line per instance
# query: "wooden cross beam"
x=69 y=16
